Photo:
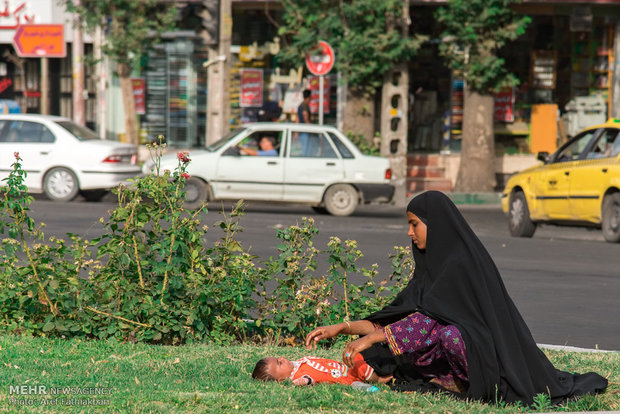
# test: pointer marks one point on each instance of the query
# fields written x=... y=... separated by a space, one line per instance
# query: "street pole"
x=321 y=99
x=102 y=70
x=77 y=54
x=45 y=102
x=218 y=78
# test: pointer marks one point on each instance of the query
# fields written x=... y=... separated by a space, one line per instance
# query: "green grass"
x=206 y=378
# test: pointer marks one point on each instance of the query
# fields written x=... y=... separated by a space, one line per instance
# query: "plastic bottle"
x=362 y=386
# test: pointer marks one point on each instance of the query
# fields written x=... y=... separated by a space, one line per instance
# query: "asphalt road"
x=565 y=281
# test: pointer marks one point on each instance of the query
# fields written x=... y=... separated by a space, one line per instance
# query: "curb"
x=476 y=198
x=573 y=348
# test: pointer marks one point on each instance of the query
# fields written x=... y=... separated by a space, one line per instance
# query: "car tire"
x=93 y=195
x=341 y=200
x=611 y=218
x=319 y=209
x=60 y=184
x=196 y=193
x=519 y=222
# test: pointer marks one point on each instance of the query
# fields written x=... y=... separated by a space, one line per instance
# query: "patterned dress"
x=438 y=351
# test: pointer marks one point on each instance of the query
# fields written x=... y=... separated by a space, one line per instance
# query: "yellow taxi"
x=579 y=184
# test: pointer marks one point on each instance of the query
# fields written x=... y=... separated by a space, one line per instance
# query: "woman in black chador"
x=454 y=326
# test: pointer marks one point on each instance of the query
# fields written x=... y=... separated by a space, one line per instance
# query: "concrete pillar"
x=77 y=54
x=614 y=111
x=394 y=108
x=218 y=78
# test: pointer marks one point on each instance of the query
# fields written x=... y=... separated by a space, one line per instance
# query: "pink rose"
x=183 y=156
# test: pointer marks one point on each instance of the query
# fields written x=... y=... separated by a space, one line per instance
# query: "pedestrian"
x=303 y=117
x=454 y=327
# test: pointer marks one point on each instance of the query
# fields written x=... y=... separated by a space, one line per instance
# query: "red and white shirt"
x=313 y=370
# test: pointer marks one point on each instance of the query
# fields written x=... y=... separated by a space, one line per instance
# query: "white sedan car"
x=312 y=164
x=62 y=158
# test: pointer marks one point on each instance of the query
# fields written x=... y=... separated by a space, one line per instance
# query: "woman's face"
x=417 y=230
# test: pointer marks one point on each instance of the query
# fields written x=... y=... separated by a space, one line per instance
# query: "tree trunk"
x=477 y=167
x=131 y=123
x=359 y=114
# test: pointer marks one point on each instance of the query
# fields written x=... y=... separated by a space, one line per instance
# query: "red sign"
x=5 y=83
x=40 y=40
x=320 y=59
x=313 y=85
x=251 y=93
x=504 y=102
x=139 y=95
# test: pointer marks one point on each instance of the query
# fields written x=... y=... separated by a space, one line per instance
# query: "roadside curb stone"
x=475 y=198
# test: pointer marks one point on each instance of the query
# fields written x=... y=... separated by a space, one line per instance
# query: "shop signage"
x=251 y=82
x=504 y=105
x=11 y=17
x=139 y=95
x=320 y=59
x=313 y=85
x=5 y=83
x=40 y=40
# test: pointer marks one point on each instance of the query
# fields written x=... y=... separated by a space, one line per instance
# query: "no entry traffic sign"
x=320 y=59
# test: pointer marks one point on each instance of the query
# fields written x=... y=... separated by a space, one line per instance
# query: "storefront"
x=564 y=63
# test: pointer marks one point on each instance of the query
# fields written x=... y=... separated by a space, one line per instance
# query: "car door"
x=591 y=176
x=552 y=188
x=258 y=177
x=35 y=144
x=311 y=164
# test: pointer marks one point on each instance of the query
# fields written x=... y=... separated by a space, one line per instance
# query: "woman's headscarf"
x=457 y=282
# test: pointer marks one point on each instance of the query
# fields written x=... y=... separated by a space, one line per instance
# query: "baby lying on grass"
x=313 y=370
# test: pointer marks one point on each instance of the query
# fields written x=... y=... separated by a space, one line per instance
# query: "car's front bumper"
x=376 y=193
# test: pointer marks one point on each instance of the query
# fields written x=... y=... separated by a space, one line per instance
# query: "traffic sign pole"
x=321 y=100
x=320 y=64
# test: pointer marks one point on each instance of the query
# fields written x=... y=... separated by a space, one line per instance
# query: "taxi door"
x=591 y=177
x=553 y=187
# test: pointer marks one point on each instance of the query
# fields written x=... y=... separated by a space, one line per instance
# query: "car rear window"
x=342 y=149
x=80 y=132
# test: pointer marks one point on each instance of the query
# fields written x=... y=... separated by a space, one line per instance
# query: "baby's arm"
x=303 y=380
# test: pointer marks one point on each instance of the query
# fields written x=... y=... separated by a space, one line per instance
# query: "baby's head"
x=272 y=369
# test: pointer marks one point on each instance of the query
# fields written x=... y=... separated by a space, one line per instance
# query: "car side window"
x=253 y=141
x=602 y=148
x=311 y=145
x=342 y=149
x=25 y=131
x=575 y=148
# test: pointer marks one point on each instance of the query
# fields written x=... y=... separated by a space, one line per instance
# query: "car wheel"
x=93 y=195
x=519 y=221
x=611 y=218
x=319 y=209
x=60 y=184
x=196 y=193
x=341 y=200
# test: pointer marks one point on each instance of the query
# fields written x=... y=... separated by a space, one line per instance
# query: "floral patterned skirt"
x=437 y=351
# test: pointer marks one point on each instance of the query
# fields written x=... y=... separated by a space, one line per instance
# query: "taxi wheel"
x=519 y=221
x=60 y=184
x=196 y=193
x=611 y=218
x=341 y=200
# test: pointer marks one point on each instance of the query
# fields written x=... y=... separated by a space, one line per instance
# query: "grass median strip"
x=52 y=375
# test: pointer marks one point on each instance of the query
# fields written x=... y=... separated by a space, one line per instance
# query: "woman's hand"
x=323 y=332
x=359 y=345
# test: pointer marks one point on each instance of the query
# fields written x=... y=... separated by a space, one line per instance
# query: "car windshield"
x=222 y=141
x=80 y=132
